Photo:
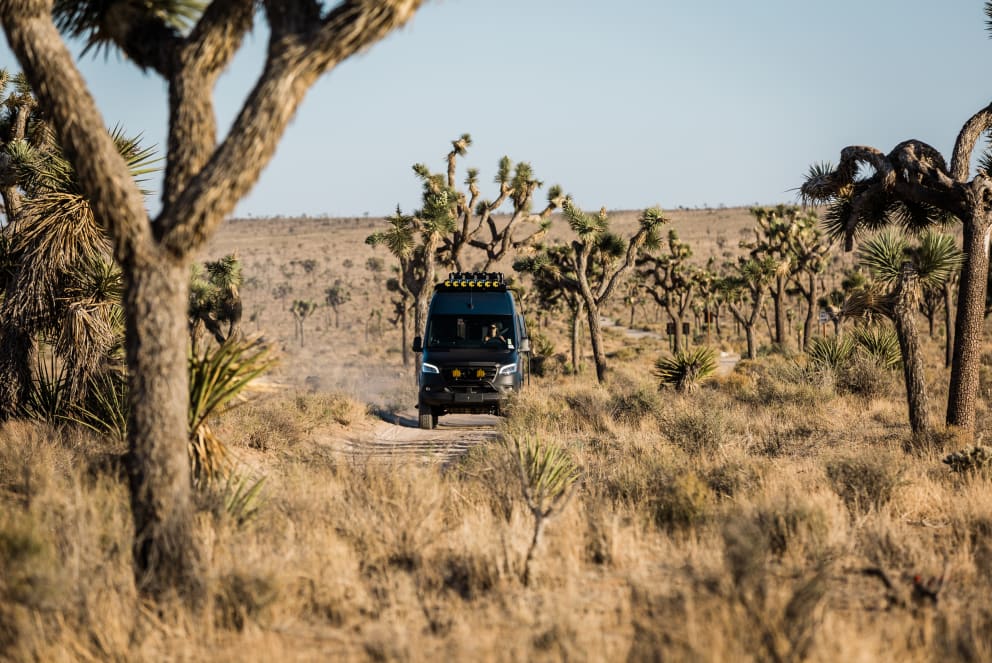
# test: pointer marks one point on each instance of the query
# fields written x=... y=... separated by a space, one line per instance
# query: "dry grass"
x=752 y=520
x=713 y=528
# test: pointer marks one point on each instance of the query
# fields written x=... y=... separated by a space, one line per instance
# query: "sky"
x=625 y=104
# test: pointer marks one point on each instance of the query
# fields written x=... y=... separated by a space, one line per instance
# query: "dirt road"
x=401 y=437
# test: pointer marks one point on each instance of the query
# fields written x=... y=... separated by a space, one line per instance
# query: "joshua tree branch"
x=968 y=137
x=290 y=70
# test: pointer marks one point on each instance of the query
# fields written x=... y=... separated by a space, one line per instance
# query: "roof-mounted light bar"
x=473 y=281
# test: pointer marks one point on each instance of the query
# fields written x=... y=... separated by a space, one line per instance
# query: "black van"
x=473 y=348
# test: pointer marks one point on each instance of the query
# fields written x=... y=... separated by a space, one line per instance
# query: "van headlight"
x=509 y=369
x=429 y=368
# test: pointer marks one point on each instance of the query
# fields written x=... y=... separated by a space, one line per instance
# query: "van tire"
x=428 y=419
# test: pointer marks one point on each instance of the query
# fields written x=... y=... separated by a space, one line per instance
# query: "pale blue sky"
x=626 y=104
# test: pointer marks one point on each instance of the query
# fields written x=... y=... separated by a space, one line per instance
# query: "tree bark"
x=948 y=322
x=904 y=317
x=596 y=338
x=811 y=293
x=166 y=555
x=577 y=336
x=963 y=388
x=778 y=299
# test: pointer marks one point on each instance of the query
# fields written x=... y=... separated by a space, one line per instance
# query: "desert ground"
x=777 y=513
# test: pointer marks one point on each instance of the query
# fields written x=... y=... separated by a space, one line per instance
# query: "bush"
x=686 y=369
x=695 y=431
x=865 y=483
x=632 y=406
x=680 y=502
x=976 y=459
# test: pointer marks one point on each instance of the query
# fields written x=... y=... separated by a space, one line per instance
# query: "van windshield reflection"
x=470 y=331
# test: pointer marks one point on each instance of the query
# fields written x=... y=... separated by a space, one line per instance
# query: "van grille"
x=470 y=375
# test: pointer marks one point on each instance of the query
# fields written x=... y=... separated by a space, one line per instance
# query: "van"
x=474 y=346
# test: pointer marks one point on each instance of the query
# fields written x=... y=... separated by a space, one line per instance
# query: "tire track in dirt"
x=402 y=438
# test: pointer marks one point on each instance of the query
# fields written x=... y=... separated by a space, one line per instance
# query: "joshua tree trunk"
x=18 y=353
x=963 y=389
x=404 y=330
x=904 y=317
x=808 y=323
x=158 y=467
x=677 y=322
x=778 y=299
x=948 y=322
x=596 y=339
x=577 y=336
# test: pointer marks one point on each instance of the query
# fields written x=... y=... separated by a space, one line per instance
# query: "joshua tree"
x=335 y=297
x=188 y=43
x=786 y=234
x=556 y=264
x=301 y=310
x=914 y=186
x=451 y=220
x=745 y=289
x=215 y=299
x=905 y=271
x=671 y=280
x=595 y=264
x=476 y=225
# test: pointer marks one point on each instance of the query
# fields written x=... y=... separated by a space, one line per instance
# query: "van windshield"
x=470 y=331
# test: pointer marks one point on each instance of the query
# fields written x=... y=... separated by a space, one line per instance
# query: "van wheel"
x=428 y=419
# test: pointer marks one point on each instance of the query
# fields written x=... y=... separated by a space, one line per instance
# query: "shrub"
x=879 y=343
x=788 y=522
x=694 y=430
x=864 y=483
x=680 y=502
x=832 y=352
x=975 y=459
x=686 y=369
x=631 y=406
x=866 y=378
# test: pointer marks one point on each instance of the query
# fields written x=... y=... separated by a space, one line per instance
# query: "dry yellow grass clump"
x=765 y=517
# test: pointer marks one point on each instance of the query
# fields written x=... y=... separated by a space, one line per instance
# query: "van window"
x=470 y=331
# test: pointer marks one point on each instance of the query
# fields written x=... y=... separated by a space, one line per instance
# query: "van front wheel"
x=428 y=419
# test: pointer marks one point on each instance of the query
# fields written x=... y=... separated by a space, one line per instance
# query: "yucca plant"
x=217 y=376
x=48 y=396
x=547 y=475
x=105 y=409
x=686 y=368
x=833 y=352
x=880 y=343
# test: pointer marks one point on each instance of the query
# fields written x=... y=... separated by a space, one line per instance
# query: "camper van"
x=474 y=347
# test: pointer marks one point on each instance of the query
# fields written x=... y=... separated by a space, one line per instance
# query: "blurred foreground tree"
x=188 y=43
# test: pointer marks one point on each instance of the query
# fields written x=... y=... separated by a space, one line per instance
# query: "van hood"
x=470 y=355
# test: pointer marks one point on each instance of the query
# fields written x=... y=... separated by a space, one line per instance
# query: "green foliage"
x=833 y=352
x=686 y=369
x=48 y=397
x=217 y=377
x=547 y=474
x=242 y=496
x=880 y=343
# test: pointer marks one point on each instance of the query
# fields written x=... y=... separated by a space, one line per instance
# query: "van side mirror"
x=418 y=344
x=525 y=345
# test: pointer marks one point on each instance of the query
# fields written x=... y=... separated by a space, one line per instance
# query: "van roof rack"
x=472 y=281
